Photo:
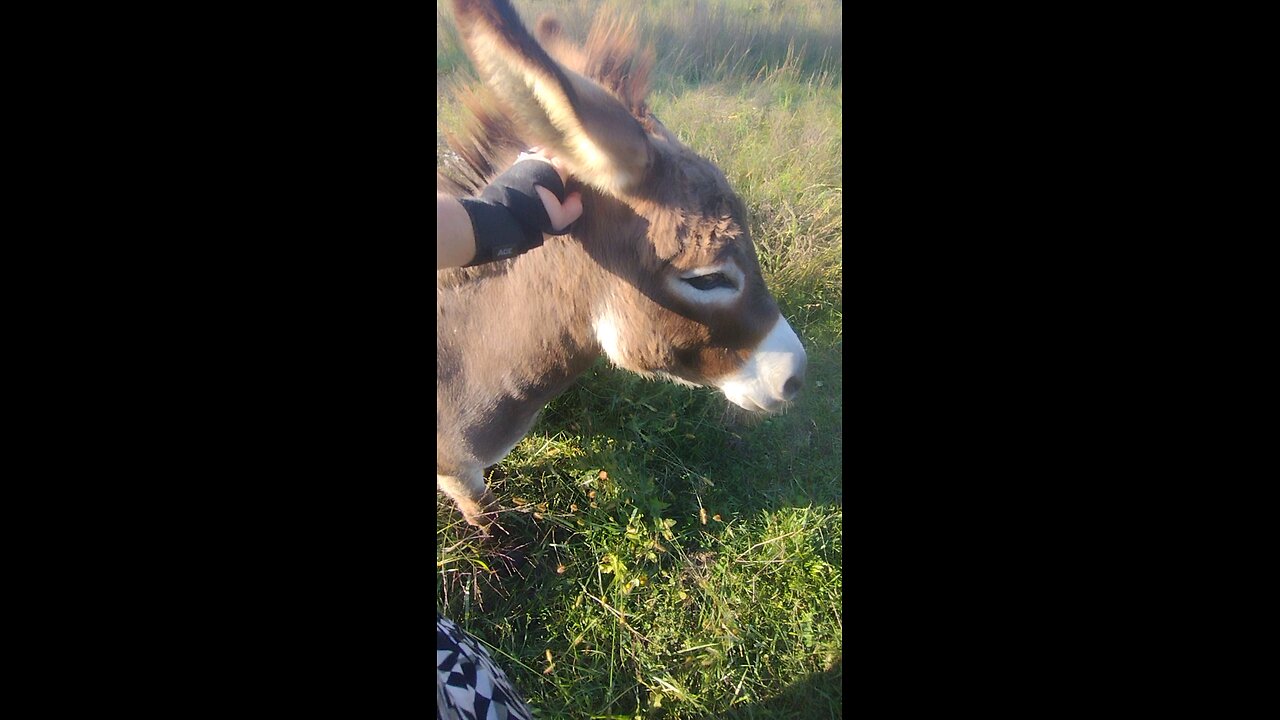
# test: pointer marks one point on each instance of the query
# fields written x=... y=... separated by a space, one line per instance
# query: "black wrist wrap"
x=509 y=218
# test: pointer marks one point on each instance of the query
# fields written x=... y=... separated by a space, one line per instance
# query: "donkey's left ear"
x=577 y=119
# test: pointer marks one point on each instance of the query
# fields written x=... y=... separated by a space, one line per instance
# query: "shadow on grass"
x=669 y=452
x=817 y=697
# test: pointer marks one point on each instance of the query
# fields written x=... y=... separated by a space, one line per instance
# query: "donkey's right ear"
x=577 y=119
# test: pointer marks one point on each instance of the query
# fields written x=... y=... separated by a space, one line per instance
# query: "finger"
x=572 y=208
x=533 y=153
x=560 y=168
x=560 y=215
x=554 y=211
x=540 y=154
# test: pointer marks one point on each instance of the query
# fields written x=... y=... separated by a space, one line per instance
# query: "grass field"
x=670 y=556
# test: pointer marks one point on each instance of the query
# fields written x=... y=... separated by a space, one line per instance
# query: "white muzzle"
x=772 y=375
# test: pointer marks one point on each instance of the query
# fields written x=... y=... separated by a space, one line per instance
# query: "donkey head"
x=683 y=297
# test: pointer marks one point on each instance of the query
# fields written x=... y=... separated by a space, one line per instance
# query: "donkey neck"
x=524 y=331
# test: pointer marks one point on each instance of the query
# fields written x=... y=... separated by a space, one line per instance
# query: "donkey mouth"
x=756 y=402
x=746 y=403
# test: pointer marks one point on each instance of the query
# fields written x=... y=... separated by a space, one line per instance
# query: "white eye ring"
x=724 y=283
x=710 y=281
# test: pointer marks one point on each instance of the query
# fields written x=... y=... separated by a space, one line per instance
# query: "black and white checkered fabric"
x=469 y=685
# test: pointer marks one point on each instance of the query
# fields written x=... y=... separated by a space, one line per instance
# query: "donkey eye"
x=710 y=282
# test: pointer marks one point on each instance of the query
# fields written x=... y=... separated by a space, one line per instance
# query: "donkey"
x=659 y=274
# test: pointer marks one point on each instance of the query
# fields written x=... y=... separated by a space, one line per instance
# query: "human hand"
x=518 y=206
x=560 y=214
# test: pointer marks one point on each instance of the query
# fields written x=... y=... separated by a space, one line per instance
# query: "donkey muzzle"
x=772 y=375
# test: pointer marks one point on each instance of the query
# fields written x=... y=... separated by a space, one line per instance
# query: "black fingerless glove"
x=509 y=217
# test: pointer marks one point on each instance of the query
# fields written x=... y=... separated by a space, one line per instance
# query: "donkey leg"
x=471 y=496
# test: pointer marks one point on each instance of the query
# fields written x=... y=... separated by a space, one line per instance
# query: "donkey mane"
x=487 y=143
x=612 y=56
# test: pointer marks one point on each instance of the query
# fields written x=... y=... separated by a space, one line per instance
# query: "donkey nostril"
x=792 y=387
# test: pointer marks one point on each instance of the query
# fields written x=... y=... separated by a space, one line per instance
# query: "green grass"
x=668 y=555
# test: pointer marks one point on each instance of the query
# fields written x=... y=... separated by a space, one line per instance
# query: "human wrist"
x=498 y=235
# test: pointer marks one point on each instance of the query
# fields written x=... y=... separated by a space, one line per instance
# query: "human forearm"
x=509 y=217
x=455 y=241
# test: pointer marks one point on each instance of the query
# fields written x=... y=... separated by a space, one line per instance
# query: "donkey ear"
x=574 y=117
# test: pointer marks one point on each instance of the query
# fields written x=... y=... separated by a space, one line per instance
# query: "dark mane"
x=486 y=144
x=613 y=56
